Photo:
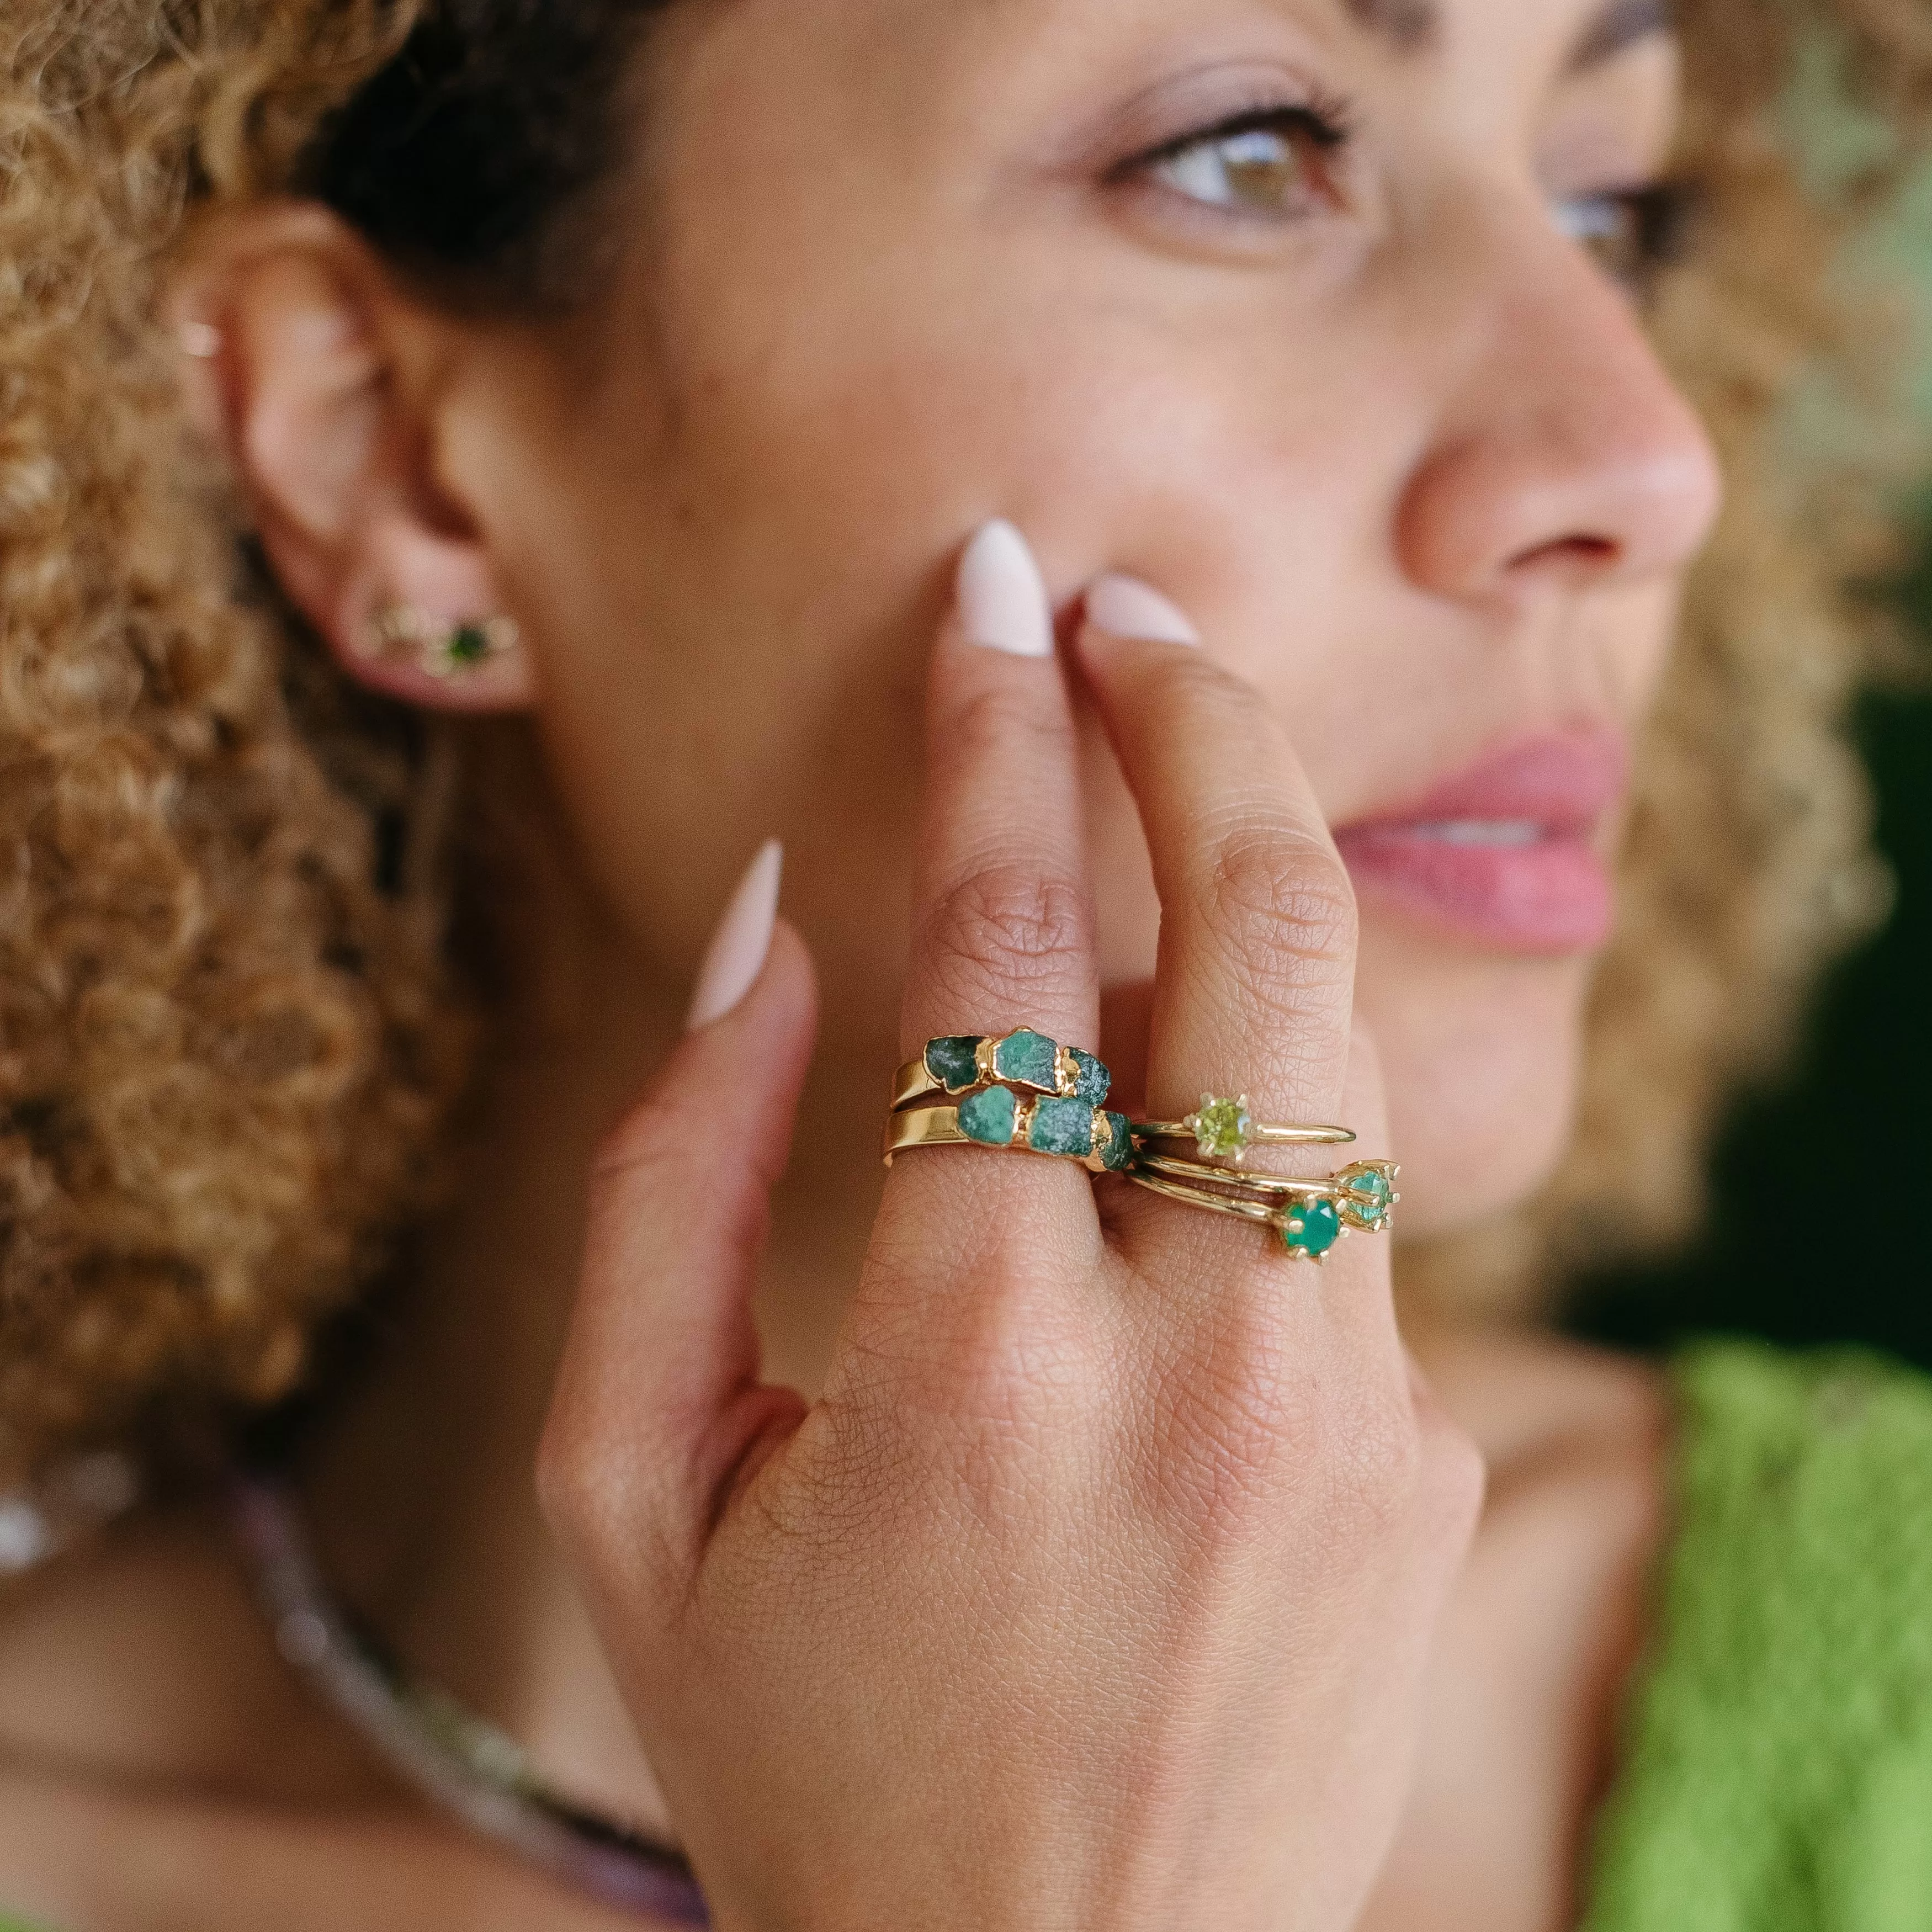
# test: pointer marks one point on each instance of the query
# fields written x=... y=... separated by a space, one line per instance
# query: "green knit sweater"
x=1778 y=1773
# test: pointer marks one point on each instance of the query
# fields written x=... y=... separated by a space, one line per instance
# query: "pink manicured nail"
x=1124 y=607
x=1002 y=597
x=743 y=938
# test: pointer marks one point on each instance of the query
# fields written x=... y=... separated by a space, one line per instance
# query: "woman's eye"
x=1271 y=168
x=1631 y=233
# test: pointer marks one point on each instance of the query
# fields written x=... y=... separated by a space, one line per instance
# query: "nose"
x=1565 y=456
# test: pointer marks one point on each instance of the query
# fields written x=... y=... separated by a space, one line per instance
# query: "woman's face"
x=1279 y=304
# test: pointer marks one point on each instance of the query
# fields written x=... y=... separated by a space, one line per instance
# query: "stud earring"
x=441 y=646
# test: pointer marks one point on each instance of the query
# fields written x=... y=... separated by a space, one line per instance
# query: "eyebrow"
x=1621 y=24
x=1407 y=25
x=1411 y=25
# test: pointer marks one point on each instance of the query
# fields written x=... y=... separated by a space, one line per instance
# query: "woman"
x=1047 y=466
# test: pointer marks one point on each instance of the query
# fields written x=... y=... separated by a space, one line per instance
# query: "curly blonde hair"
x=227 y=1045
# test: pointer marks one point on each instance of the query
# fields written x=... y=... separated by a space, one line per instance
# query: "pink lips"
x=1507 y=852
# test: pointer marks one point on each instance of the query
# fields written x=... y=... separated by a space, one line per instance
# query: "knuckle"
x=646 y=1142
x=1007 y=926
x=1230 y=1421
x=576 y=1485
x=1284 y=900
x=1002 y=728
x=1455 y=1480
x=596 y=1494
x=1378 y=1464
x=1192 y=685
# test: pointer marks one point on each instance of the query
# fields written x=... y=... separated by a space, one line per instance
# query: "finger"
x=1255 y=990
x=1002 y=920
x=658 y=1412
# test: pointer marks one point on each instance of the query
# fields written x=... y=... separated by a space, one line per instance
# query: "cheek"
x=1482 y=1057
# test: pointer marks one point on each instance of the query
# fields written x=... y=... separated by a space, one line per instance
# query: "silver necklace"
x=465 y=1765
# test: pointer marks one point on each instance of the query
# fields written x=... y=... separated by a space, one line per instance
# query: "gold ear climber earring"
x=440 y=646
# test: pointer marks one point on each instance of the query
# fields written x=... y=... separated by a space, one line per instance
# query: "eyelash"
x=1657 y=213
x=1322 y=122
x=1658 y=216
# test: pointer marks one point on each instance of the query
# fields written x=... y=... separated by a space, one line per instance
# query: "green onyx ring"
x=1310 y=1216
x=1026 y=1060
x=1224 y=1129
x=997 y=1117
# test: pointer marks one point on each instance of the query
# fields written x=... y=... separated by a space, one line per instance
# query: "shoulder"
x=133 y=1669
x=140 y=1657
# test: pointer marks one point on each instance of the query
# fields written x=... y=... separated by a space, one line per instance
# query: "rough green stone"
x=468 y=644
x=1120 y=1149
x=1221 y=1128
x=1028 y=1059
x=953 y=1062
x=1063 y=1127
x=1312 y=1227
x=989 y=1117
x=1094 y=1082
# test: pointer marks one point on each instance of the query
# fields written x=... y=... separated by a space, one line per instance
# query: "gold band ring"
x=998 y=1117
x=1310 y=1216
x=1225 y=1130
x=1026 y=1059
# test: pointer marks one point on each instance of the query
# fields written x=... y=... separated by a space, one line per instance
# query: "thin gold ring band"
x=1254 y=1181
x=1307 y=1231
x=1310 y=1216
x=1225 y=1129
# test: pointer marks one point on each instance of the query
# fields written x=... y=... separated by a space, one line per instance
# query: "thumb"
x=658 y=1405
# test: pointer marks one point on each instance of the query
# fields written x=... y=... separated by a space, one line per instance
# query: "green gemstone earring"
x=441 y=646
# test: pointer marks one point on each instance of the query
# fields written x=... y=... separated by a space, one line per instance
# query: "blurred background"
x=1822 y=1226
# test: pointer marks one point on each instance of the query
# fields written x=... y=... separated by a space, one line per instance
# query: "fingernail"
x=1002 y=597
x=1124 y=607
x=742 y=940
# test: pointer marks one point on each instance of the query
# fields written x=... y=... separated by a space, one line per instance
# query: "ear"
x=322 y=378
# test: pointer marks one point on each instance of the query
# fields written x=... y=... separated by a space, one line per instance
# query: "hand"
x=1097 y=1589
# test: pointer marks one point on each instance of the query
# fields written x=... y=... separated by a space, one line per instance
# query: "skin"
x=885 y=281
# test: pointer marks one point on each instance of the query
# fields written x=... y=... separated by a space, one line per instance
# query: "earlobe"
x=321 y=379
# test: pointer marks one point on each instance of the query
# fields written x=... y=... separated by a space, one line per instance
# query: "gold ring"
x=1026 y=1059
x=996 y=1116
x=1310 y=1216
x=1225 y=1130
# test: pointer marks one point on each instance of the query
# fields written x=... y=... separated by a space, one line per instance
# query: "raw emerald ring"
x=1026 y=1060
x=997 y=1117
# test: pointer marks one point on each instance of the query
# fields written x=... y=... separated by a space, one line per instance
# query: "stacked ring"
x=1309 y=1216
x=1225 y=1130
x=1025 y=1059
x=996 y=1116
x=1020 y=1091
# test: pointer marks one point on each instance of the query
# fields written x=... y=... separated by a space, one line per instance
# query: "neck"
x=421 y=1494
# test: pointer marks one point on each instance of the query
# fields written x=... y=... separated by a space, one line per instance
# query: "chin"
x=1481 y=1054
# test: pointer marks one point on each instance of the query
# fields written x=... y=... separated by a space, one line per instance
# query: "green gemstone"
x=1093 y=1081
x=1221 y=1128
x=1312 y=1227
x=990 y=1117
x=468 y=644
x=1028 y=1059
x=954 y=1063
x=1062 y=1127
x=1120 y=1149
